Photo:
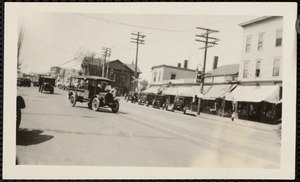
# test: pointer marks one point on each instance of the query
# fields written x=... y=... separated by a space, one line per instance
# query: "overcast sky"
x=52 y=39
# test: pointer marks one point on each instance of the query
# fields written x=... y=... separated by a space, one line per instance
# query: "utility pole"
x=106 y=53
x=138 y=39
x=208 y=42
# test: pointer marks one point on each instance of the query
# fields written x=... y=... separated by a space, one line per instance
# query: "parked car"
x=46 y=84
x=169 y=102
x=146 y=99
x=183 y=104
x=23 y=82
x=20 y=105
x=158 y=101
x=93 y=90
x=132 y=96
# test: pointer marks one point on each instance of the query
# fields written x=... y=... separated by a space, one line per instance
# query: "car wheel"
x=95 y=104
x=18 y=118
x=115 y=108
x=51 y=92
x=73 y=100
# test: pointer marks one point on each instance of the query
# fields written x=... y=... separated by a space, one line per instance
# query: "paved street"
x=54 y=133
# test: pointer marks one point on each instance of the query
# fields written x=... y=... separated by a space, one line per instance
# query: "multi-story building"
x=122 y=75
x=262 y=51
x=260 y=73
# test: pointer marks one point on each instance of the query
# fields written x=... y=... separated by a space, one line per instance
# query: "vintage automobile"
x=183 y=104
x=146 y=99
x=94 y=91
x=46 y=84
x=158 y=102
x=20 y=105
x=132 y=96
x=24 y=82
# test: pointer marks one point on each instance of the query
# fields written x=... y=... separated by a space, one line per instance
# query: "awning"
x=170 y=91
x=256 y=93
x=218 y=91
x=194 y=90
x=153 y=90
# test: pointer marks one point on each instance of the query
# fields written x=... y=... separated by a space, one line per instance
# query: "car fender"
x=72 y=93
x=20 y=102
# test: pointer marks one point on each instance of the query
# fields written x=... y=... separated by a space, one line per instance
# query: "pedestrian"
x=233 y=111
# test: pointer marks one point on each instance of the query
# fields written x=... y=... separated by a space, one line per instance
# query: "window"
x=173 y=76
x=248 y=44
x=245 y=73
x=159 y=76
x=276 y=67
x=124 y=78
x=260 y=41
x=257 y=70
x=154 y=78
x=114 y=77
x=278 y=38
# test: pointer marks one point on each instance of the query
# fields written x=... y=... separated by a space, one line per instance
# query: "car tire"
x=73 y=100
x=95 y=104
x=115 y=108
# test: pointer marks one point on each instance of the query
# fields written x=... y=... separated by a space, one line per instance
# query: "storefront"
x=258 y=103
x=214 y=101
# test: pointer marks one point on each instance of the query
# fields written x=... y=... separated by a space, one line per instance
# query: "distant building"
x=166 y=74
x=222 y=75
x=122 y=76
x=62 y=74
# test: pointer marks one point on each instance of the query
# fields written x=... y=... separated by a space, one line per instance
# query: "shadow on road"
x=27 y=137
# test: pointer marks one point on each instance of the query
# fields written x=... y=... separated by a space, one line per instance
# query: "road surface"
x=52 y=132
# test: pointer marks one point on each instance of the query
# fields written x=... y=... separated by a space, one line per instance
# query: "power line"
x=67 y=62
x=131 y=25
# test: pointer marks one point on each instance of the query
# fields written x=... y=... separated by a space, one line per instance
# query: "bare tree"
x=19 y=48
x=90 y=64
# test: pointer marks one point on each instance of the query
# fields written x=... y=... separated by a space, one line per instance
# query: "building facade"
x=261 y=60
x=122 y=76
x=258 y=97
x=164 y=74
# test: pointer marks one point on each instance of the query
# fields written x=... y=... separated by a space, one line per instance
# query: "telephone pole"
x=208 y=43
x=138 y=39
x=105 y=53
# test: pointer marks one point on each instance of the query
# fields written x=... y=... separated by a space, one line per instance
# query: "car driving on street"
x=94 y=90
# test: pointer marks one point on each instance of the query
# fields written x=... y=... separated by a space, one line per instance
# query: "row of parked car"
x=167 y=102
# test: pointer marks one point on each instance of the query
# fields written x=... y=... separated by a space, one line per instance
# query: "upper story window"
x=278 y=38
x=159 y=76
x=257 y=70
x=114 y=77
x=124 y=78
x=245 y=71
x=276 y=67
x=173 y=76
x=154 y=77
x=260 y=41
x=248 y=44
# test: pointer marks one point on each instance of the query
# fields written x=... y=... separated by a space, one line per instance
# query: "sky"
x=52 y=39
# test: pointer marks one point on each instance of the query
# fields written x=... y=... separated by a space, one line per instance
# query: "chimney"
x=179 y=65
x=185 y=64
x=215 y=63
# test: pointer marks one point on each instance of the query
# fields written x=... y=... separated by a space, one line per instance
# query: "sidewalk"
x=240 y=122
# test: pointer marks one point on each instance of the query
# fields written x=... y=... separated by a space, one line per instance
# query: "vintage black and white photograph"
x=164 y=88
